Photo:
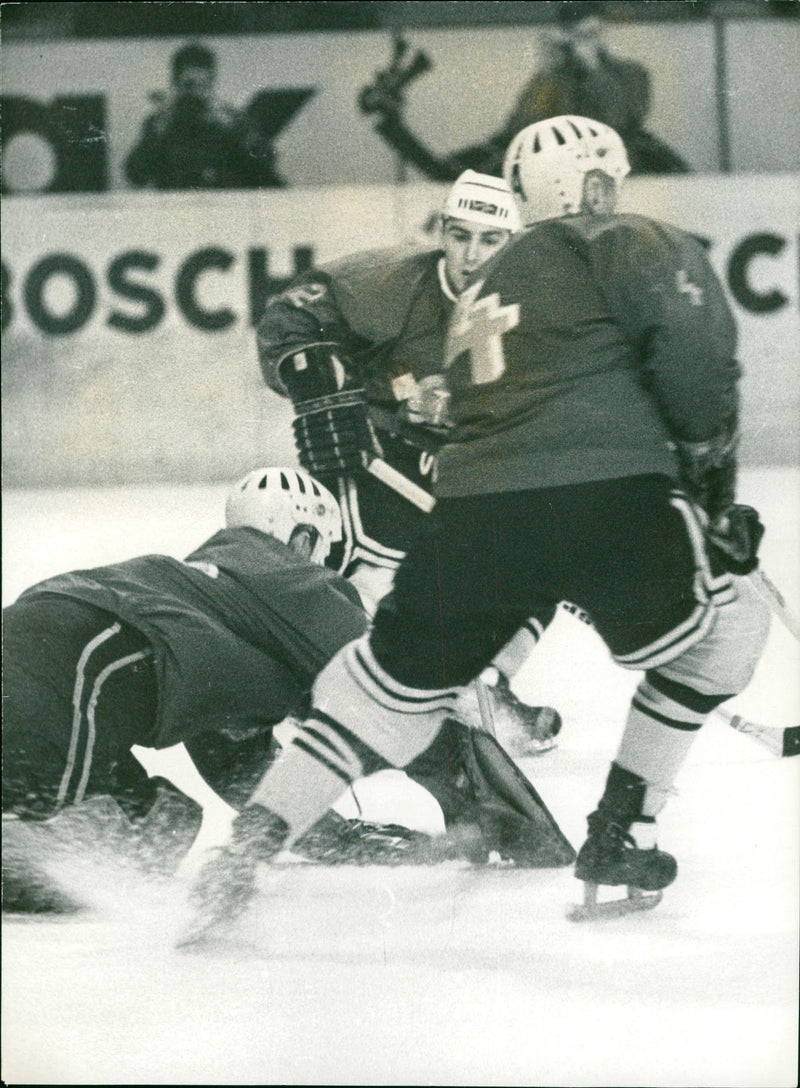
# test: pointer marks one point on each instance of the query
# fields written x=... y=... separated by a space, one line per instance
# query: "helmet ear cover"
x=278 y=500
x=547 y=165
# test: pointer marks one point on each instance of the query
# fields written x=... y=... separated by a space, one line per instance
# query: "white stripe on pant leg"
x=101 y=679
x=711 y=593
x=365 y=545
x=77 y=695
x=720 y=589
x=347 y=527
x=677 y=640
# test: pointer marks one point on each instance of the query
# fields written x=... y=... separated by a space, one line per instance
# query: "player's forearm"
x=697 y=393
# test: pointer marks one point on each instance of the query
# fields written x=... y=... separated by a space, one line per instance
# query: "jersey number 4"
x=478 y=327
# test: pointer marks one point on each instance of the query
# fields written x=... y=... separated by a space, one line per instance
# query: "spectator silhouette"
x=192 y=141
x=580 y=77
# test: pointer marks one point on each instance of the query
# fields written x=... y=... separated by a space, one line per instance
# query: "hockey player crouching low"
x=213 y=652
x=358 y=345
x=594 y=392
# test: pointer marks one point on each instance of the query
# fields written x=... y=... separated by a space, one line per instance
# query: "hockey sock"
x=662 y=724
x=515 y=652
x=388 y=724
x=309 y=775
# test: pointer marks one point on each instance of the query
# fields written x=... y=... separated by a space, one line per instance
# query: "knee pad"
x=724 y=660
x=395 y=721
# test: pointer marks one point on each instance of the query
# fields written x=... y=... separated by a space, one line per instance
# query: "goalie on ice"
x=592 y=461
x=213 y=651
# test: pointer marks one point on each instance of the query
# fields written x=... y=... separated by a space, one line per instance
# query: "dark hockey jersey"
x=240 y=629
x=387 y=308
x=584 y=348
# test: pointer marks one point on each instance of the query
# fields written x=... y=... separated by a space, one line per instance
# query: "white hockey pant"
x=674 y=699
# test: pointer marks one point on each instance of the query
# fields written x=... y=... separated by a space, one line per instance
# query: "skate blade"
x=590 y=910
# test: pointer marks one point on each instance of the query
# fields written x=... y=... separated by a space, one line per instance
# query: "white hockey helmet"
x=481 y=198
x=546 y=164
x=277 y=500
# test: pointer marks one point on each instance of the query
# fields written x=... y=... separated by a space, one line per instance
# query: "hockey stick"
x=485 y=708
x=415 y=494
x=775 y=601
x=779 y=740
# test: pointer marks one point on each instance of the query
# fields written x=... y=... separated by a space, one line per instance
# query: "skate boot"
x=226 y=884
x=334 y=840
x=165 y=833
x=621 y=850
x=525 y=730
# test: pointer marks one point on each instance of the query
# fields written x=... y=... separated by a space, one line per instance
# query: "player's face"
x=466 y=247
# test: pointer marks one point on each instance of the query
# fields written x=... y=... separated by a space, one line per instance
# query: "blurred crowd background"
x=166 y=167
x=101 y=96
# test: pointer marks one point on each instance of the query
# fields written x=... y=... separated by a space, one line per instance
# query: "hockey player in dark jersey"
x=213 y=651
x=594 y=392
x=358 y=345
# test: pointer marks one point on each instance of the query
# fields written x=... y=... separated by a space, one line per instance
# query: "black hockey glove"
x=734 y=536
x=332 y=431
x=708 y=470
x=332 y=434
x=708 y=474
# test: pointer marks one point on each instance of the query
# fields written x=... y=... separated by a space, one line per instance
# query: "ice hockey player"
x=358 y=345
x=212 y=652
x=594 y=392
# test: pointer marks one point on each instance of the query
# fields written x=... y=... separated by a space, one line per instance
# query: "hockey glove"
x=385 y=95
x=734 y=537
x=332 y=432
x=708 y=470
x=332 y=435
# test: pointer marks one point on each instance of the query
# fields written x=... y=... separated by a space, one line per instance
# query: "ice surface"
x=444 y=975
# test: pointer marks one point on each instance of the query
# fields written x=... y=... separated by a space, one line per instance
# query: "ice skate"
x=524 y=730
x=226 y=884
x=334 y=840
x=621 y=851
x=164 y=835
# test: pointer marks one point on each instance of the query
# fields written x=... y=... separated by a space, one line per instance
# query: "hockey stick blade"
x=780 y=741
